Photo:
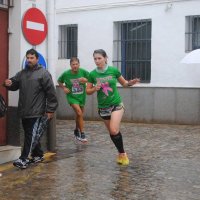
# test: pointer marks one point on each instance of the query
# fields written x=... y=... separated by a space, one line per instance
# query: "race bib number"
x=77 y=90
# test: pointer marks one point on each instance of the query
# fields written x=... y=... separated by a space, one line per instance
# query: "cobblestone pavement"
x=164 y=165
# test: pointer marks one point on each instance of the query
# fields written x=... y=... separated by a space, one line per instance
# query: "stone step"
x=9 y=153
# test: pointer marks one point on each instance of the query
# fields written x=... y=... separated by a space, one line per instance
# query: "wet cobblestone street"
x=164 y=165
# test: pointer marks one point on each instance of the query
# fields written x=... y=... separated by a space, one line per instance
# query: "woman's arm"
x=90 y=89
x=129 y=83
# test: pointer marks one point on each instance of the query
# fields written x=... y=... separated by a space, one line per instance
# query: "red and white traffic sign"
x=34 y=26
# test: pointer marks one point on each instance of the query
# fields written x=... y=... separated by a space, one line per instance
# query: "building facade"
x=145 y=39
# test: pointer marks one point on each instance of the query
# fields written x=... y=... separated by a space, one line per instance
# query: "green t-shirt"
x=78 y=93
x=108 y=95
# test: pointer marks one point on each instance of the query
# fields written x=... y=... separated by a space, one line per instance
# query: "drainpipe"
x=50 y=5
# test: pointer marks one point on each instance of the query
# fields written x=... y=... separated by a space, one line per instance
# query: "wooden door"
x=3 y=66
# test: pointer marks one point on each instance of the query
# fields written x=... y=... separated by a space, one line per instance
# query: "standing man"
x=36 y=106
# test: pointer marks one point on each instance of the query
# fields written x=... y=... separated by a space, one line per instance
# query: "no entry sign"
x=34 y=26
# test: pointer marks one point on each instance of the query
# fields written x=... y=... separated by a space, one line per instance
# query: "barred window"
x=4 y=3
x=132 y=49
x=192 y=34
x=67 y=43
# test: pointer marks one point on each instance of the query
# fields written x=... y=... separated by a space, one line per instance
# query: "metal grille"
x=4 y=3
x=132 y=49
x=192 y=35
x=67 y=44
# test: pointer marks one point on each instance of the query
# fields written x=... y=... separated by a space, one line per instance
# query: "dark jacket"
x=37 y=93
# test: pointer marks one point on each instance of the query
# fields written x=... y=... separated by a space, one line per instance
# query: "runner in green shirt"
x=103 y=80
x=73 y=82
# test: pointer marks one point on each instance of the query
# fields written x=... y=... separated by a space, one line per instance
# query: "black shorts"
x=105 y=113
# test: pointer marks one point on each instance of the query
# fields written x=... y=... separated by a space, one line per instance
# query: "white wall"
x=17 y=42
x=95 y=30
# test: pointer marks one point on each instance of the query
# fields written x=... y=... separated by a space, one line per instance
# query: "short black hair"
x=32 y=52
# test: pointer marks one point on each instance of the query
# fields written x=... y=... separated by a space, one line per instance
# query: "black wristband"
x=129 y=84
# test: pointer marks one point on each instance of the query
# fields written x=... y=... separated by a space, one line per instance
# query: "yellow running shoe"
x=122 y=159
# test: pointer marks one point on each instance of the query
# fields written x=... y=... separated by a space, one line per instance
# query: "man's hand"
x=8 y=82
x=49 y=115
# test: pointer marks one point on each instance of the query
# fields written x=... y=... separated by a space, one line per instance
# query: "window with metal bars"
x=67 y=42
x=192 y=34
x=132 y=49
x=4 y=3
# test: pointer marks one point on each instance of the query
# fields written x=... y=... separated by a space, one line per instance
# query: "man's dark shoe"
x=37 y=159
x=22 y=164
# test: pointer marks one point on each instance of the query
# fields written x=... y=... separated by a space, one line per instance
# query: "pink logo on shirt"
x=106 y=88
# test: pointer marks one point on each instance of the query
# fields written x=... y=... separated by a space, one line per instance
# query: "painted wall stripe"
x=35 y=26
